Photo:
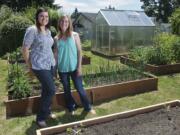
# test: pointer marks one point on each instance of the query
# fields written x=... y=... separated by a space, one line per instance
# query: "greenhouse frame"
x=115 y=32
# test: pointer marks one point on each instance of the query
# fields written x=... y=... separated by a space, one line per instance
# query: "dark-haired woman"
x=38 y=54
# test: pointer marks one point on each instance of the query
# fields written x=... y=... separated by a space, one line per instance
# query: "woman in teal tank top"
x=68 y=56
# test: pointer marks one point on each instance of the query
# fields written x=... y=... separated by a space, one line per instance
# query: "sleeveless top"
x=41 y=54
x=67 y=54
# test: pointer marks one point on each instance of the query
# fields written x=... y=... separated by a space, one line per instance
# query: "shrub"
x=5 y=13
x=15 y=56
x=150 y=55
x=157 y=56
x=54 y=16
x=21 y=88
x=11 y=33
x=14 y=71
x=53 y=31
x=170 y=45
x=30 y=13
x=139 y=54
x=163 y=49
x=18 y=84
x=166 y=50
x=175 y=21
x=176 y=50
x=86 y=45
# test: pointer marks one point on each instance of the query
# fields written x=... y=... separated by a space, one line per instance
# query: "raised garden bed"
x=27 y=106
x=20 y=107
x=158 y=70
x=163 y=119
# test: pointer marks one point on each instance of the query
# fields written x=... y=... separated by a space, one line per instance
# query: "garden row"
x=107 y=81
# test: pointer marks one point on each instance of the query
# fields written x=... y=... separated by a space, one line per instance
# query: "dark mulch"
x=160 y=122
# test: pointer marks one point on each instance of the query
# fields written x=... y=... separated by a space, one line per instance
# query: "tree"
x=20 y=5
x=110 y=7
x=150 y=7
x=161 y=9
x=75 y=13
x=175 y=21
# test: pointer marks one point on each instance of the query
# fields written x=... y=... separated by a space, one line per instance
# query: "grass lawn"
x=168 y=89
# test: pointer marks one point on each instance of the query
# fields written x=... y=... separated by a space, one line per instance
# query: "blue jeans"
x=48 y=90
x=77 y=80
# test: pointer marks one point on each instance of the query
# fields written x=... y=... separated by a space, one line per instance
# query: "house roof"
x=126 y=18
x=89 y=16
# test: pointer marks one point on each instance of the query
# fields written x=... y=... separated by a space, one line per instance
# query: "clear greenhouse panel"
x=125 y=38
x=126 y=18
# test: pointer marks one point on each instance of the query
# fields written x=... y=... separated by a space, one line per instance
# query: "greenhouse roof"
x=126 y=18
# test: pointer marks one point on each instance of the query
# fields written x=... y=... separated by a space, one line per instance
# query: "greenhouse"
x=118 y=31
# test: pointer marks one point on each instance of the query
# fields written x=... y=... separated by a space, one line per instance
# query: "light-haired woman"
x=69 y=56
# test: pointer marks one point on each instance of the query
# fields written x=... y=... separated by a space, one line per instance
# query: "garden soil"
x=160 y=122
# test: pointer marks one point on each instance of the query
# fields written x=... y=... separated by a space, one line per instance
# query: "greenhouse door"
x=103 y=38
x=99 y=37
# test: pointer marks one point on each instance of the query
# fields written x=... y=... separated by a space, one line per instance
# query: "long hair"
x=69 y=30
x=40 y=10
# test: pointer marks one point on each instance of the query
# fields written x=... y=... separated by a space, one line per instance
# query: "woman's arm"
x=79 y=51
x=55 y=49
x=27 y=42
x=25 y=53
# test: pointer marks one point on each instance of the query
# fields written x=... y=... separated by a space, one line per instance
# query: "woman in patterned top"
x=69 y=57
x=37 y=52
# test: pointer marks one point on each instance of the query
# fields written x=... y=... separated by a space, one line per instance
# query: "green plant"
x=18 y=84
x=54 y=16
x=15 y=56
x=30 y=13
x=175 y=21
x=157 y=56
x=164 y=51
x=53 y=31
x=20 y=88
x=76 y=130
x=69 y=131
x=176 y=50
x=11 y=33
x=166 y=43
x=14 y=71
x=86 y=45
x=5 y=13
x=108 y=74
x=139 y=54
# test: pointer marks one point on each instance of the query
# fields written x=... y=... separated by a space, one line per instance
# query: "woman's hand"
x=55 y=72
x=79 y=51
x=30 y=72
x=79 y=72
x=25 y=52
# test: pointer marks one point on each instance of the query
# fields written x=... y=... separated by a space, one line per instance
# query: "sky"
x=93 y=6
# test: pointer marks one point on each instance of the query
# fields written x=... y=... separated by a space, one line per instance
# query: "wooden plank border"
x=158 y=70
x=27 y=106
x=102 y=119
